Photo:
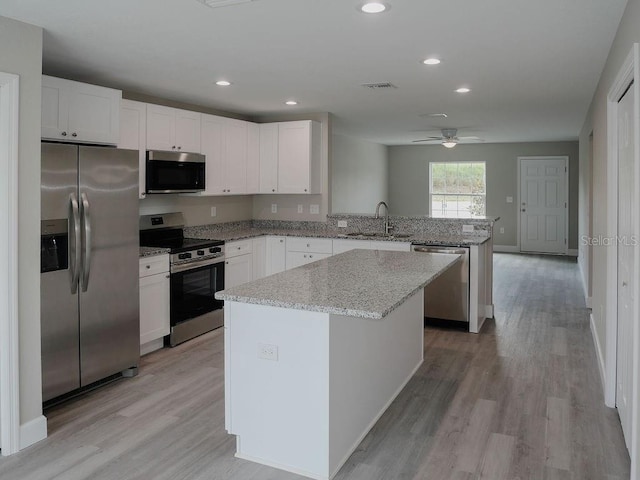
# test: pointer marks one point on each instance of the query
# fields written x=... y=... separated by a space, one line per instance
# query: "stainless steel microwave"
x=174 y=172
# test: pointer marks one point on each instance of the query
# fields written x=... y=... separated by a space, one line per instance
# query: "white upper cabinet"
x=133 y=135
x=253 y=158
x=79 y=112
x=269 y=158
x=225 y=146
x=290 y=157
x=172 y=129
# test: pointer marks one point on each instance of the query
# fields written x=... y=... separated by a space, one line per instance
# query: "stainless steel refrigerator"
x=89 y=266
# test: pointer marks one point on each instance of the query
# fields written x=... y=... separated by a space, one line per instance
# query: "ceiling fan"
x=449 y=138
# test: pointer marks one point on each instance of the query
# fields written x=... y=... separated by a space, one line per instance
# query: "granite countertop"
x=357 y=283
x=232 y=235
x=152 y=251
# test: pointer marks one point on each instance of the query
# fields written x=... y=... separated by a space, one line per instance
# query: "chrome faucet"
x=387 y=227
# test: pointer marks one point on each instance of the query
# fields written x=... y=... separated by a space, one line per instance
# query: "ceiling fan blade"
x=432 y=139
x=469 y=138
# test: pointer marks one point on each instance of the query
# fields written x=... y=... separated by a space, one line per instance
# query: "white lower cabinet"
x=259 y=253
x=276 y=255
x=154 y=302
x=238 y=265
x=303 y=250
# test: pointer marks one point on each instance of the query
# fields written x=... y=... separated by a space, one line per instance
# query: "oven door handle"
x=196 y=264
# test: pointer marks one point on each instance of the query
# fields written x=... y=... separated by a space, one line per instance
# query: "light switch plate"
x=501 y=229
x=274 y=208
x=300 y=208
x=509 y=199
x=214 y=211
x=315 y=209
x=342 y=224
x=467 y=228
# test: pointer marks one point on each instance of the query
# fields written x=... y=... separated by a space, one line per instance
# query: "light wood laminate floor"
x=522 y=400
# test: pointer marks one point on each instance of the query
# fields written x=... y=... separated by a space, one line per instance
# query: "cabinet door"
x=296 y=259
x=259 y=257
x=293 y=157
x=269 y=158
x=238 y=270
x=133 y=135
x=55 y=108
x=340 y=246
x=235 y=160
x=187 y=131
x=154 y=307
x=275 y=255
x=253 y=158
x=212 y=140
x=161 y=128
x=94 y=113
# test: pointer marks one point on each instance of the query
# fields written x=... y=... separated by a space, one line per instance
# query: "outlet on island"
x=342 y=224
x=268 y=352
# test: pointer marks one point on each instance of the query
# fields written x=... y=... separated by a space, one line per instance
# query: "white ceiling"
x=532 y=65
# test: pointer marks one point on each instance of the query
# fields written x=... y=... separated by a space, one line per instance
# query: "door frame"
x=629 y=72
x=9 y=326
x=566 y=197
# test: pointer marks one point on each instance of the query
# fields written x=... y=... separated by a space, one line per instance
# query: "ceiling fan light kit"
x=449 y=143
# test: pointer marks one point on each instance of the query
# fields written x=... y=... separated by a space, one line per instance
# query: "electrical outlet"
x=501 y=229
x=214 y=212
x=268 y=352
x=467 y=228
x=300 y=208
x=274 y=208
x=342 y=224
x=315 y=209
x=509 y=199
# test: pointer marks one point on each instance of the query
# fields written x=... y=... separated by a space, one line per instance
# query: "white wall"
x=360 y=171
x=21 y=54
x=596 y=122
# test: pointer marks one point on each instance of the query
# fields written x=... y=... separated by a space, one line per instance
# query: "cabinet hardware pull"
x=64 y=134
x=273 y=190
x=174 y=147
x=148 y=266
x=74 y=134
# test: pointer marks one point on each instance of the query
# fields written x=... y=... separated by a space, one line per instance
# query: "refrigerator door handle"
x=86 y=241
x=74 y=242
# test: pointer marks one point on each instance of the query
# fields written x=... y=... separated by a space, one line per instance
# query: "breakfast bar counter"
x=316 y=354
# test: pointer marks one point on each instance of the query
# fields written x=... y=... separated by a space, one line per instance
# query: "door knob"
x=523 y=210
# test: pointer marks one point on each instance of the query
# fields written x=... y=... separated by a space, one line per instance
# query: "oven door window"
x=192 y=292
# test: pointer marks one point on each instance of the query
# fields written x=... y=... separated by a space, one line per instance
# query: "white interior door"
x=543 y=204
x=625 y=282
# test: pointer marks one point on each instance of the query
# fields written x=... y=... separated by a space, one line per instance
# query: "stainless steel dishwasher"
x=447 y=297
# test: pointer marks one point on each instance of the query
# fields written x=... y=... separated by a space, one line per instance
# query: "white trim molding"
x=506 y=248
x=596 y=343
x=33 y=431
x=629 y=73
x=9 y=327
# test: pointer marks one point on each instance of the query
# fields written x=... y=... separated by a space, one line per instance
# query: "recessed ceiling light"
x=223 y=83
x=291 y=102
x=373 y=7
x=463 y=90
x=431 y=61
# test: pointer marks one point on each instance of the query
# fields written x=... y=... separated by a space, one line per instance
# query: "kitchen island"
x=316 y=354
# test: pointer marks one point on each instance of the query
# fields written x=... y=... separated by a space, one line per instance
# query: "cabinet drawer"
x=154 y=265
x=296 y=259
x=304 y=244
x=241 y=247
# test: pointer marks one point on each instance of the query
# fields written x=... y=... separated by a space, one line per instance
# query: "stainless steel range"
x=197 y=273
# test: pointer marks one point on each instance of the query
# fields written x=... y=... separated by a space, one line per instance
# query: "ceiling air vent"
x=223 y=3
x=379 y=86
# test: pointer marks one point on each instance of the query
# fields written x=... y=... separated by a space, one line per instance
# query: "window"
x=457 y=190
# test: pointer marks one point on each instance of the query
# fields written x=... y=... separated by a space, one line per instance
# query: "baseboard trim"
x=33 y=431
x=506 y=248
x=600 y=357
x=587 y=298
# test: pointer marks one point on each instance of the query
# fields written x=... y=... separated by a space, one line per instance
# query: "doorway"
x=543 y=204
